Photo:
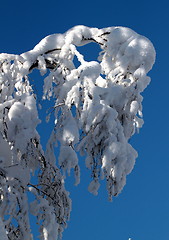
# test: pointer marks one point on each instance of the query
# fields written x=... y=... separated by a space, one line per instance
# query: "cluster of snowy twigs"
x=98 y=107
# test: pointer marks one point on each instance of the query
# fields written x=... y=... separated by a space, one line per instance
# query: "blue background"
x=141 y=211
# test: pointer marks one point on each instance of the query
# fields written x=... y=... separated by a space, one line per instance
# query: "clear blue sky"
x=141 y=211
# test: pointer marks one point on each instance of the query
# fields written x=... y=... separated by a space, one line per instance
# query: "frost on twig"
x=98 y=107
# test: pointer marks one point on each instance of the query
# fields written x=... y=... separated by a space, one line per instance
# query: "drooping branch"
x=97 y=109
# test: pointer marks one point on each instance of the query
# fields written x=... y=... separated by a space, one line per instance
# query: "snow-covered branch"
x=97 y=108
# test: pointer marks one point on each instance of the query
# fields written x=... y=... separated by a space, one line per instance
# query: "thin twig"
x=39 y=190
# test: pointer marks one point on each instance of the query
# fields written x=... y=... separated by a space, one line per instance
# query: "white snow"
x=97 y=107
x=2 y=231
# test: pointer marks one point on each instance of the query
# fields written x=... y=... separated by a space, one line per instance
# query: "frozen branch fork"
x=98 y=107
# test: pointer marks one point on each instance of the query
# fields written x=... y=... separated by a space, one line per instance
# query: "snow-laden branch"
x=98 y=107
